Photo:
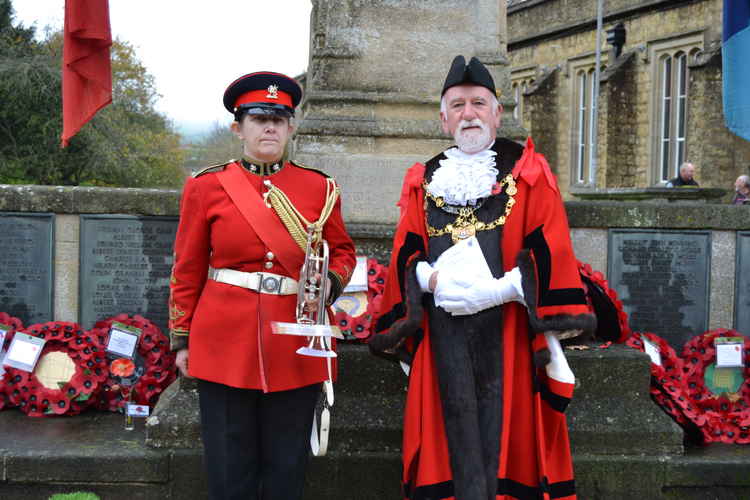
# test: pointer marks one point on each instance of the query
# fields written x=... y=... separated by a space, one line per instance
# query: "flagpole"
x=595 y=98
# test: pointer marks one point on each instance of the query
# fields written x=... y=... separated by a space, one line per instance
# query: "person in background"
x=686 y=177
x=741 y=190
x=238 y=256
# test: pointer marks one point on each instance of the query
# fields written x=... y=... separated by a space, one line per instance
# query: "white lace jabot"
x=462 y=179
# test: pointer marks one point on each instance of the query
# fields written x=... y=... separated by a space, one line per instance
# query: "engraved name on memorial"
x=26 y=266
x=126 y=262
x=662 y=278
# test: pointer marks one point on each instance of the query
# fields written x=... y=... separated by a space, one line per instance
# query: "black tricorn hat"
x=475 y=72
x=263 y=93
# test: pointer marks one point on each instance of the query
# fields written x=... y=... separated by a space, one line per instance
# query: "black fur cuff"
x=561 y=324
x=411 y=323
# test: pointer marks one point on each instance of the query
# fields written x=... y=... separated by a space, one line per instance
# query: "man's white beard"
x=472 y=142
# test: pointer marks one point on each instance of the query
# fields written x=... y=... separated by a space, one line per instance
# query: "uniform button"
x=269 y=265
x=269 y=256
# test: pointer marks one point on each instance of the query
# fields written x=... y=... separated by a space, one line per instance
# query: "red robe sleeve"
x=190 y=268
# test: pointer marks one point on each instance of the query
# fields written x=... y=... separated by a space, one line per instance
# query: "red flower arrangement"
x=27 y=392
x=727 y=414
x=360 y=327
x=15 y=324
x=159 y=367
x=667 y=387
x=679 y=387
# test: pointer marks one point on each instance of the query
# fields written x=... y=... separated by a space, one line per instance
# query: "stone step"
x=369 y=423
x=611 y=410
x=361 y=373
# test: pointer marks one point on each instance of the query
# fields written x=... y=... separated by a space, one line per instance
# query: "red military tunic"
x=228 y=327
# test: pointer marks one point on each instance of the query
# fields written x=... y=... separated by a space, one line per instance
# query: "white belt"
x=272 y=283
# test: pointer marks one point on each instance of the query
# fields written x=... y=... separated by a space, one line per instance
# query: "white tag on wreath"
x=653 y=351
x=729 y=351
x=24 y=352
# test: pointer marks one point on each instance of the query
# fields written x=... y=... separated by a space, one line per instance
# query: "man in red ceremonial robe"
x=482 y=284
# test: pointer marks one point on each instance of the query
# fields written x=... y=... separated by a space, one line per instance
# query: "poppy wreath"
x=27 y=392
x=359 y=327
x=597 y=279
x=15 y=325
x=160 y=368
x=667 y=384
x=727 y=415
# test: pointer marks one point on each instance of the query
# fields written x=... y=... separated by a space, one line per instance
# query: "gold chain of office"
x=466 y=224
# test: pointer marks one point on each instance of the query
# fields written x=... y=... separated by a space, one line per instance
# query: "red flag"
x=87 y=69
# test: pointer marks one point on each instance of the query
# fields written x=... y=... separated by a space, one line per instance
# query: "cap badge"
x=273 y=92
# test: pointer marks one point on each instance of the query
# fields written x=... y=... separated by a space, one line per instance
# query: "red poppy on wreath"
x=150 y=391
x=67 y=373
x=343 y=320
x=375 y=277
x=360 y=326
x=122 y=367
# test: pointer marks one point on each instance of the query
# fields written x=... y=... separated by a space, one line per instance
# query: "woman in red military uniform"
x=237 y=262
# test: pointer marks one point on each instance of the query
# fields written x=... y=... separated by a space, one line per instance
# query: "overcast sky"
x=195 y=48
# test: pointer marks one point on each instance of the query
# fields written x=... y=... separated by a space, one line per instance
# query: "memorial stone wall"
x=83 y=254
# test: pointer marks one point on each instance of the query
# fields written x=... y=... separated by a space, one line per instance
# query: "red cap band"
x=270 y=95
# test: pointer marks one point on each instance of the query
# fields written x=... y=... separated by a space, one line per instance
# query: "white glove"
x=460 y=295
x=558 y=368
x=424 y=271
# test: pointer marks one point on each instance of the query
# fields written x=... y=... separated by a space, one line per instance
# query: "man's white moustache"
x=476 y=122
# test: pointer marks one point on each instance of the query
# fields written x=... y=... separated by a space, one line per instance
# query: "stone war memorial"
x=653 y=416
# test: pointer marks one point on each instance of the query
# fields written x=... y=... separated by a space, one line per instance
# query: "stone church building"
x=660 y=95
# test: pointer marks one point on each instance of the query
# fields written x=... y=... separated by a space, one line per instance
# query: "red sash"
x=262 y=219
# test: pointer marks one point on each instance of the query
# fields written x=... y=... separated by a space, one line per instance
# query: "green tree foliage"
x=128 y=143
x=218 y=146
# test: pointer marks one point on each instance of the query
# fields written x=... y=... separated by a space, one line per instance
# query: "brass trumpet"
x=311 y=301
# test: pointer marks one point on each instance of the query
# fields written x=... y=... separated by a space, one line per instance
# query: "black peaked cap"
x=259 y=81
x=475 y=72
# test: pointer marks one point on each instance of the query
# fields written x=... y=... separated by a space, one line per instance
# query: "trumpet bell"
x=316 y=353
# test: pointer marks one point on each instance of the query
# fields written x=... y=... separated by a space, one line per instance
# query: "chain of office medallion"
x=466 y=215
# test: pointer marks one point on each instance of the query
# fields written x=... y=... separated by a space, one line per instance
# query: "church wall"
x=545 y=34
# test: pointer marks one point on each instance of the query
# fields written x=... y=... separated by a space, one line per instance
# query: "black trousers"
x=468 y=355
x=255 y=444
